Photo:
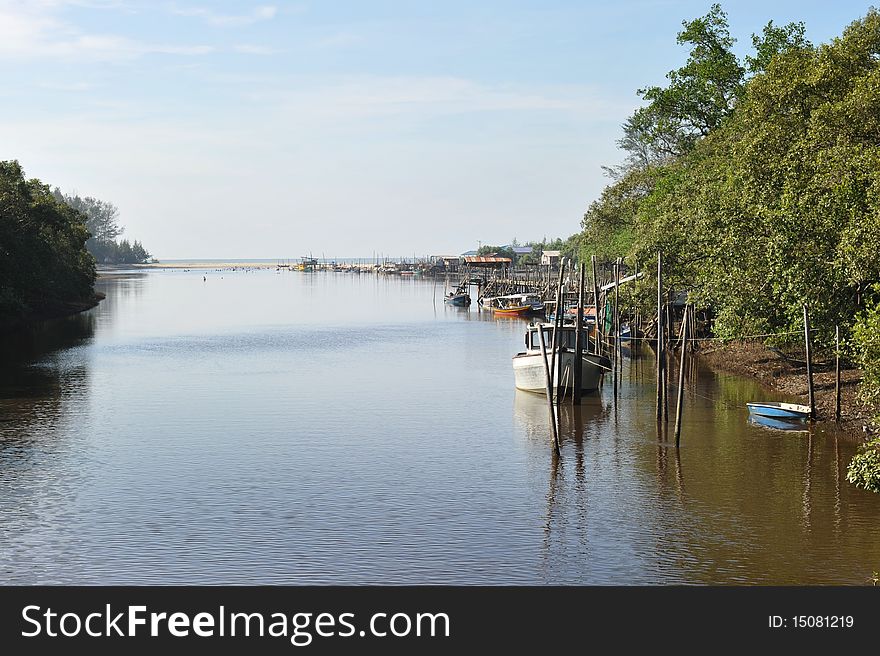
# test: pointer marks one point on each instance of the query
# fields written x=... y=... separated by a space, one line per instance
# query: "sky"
x=342 y=128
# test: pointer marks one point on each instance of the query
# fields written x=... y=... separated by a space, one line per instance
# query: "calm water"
x=264 y=427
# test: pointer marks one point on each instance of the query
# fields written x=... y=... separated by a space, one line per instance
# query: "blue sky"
x=344 y=127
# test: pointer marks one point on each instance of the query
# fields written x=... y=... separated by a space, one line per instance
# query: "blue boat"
x=779 y=410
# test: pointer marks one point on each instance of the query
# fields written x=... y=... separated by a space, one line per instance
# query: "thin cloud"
x=32 y=30
x=250 y=49
x=259 y=14
x=383 y=96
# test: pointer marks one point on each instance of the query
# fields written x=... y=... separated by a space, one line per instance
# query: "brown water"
x=264 y=427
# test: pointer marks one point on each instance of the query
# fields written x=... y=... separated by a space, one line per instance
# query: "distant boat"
x=513 y=304
x=528 y=366
x=513 y=310
x=459 y=300
x=779 y=410
x=459 y=297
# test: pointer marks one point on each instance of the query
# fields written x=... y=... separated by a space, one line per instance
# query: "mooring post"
x=615 y=322
x=549 y=387
x=809 y=348
x=558 y=327
x=837 y=373
x=660 y=390
x=596 y=302
x=667 y=355
x=578 y=342
x=555 y=340
x=679 y=404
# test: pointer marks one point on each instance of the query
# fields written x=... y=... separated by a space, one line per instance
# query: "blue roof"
x=469 y=254
x=522 y=250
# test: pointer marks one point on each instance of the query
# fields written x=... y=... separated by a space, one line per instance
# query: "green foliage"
x=42 y=255
x=101 y=219
x=864 y=468
x=774 y=199
x=865 y=349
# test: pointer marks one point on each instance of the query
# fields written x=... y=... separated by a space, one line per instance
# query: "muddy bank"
x=776 y=373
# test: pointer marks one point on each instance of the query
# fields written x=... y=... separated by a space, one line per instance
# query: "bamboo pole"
x=837 y=373
x=549 y=387
x=679 y=404
x=809 y=348
x=578 y=342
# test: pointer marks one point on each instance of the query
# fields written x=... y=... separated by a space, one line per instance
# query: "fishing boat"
x=528 y=366
x=459 y=297
x=779 y=410
x=517 y=304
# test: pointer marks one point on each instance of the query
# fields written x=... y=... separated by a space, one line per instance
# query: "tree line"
x=101 y=220
x=49 y=244
x=759 y=181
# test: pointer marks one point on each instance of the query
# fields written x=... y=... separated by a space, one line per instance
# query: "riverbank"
x=49 y=311
x=754 y=360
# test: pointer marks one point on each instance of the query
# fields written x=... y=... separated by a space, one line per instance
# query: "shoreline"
x=753 y=360
x=51 y=311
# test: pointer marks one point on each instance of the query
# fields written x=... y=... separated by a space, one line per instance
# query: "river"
x=280 y=427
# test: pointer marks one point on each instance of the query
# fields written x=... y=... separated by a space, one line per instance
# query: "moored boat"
x=459 y=298
x=528 y=366
x=779 y=410
x=517 y=304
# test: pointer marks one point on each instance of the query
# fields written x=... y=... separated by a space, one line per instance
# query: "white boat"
x=528 y=366
x=530 y=302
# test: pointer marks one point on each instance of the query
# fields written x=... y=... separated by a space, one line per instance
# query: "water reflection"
x=268 y=427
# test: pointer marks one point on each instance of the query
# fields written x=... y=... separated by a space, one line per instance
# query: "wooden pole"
x=560 y=383
x=679 y=404
x=549 y=387
x=660 y=390
x=555 y=340
x=666 y=357
x=578 y=341
x=837 y=373
x=808 y=344
x=596 y=303
x=616 y=322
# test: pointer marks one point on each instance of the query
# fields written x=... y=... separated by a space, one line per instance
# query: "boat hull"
x=779 y=410
x=461 y=300
x=514 y=311
x=530 y=376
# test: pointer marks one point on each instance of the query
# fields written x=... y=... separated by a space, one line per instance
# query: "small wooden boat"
x=459 y=300
x=460 y=297
x=779 y=410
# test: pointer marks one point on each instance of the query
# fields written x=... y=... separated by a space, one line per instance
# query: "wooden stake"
x=549 y=387
x=555 y=340
x=679 y=404
x=667 y=355
x=596 y=303
x=660 y=390
x=837 y=373
x=615 y=316
x=578 y=342
x=808 y=344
